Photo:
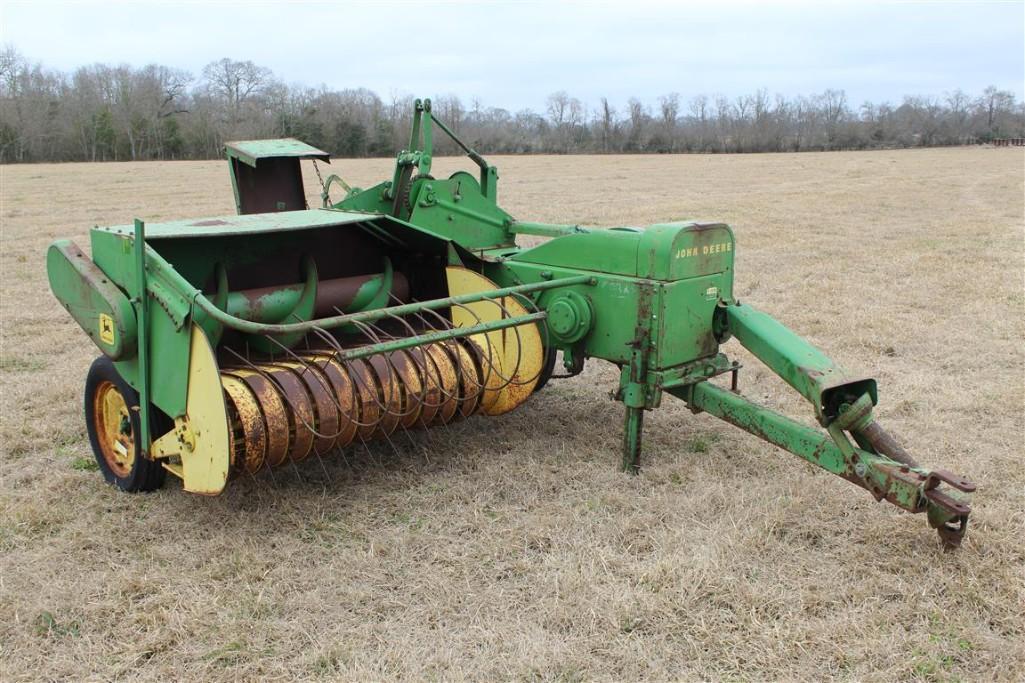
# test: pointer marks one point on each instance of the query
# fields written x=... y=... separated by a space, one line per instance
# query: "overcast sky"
x=513 y=54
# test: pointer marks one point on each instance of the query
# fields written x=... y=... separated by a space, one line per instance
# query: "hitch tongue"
x=946 y=513
x=952 y=529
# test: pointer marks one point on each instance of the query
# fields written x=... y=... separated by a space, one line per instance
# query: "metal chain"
x=321 y=179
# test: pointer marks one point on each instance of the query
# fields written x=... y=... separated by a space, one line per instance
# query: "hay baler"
x=237 y=344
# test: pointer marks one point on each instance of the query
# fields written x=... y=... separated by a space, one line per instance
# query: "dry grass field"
x=512 y=548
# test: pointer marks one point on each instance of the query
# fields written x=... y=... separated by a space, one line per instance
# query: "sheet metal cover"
x=251 y=151
x=248 y=224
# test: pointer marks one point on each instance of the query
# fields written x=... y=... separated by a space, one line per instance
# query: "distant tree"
x=234 y=83
x=607 y=124
x=350 y=138
x=111 y=112
x=669 y=110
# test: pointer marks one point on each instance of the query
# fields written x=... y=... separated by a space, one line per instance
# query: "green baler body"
x=656 y=301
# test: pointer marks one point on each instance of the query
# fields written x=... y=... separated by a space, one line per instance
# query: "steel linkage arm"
x=843 y=406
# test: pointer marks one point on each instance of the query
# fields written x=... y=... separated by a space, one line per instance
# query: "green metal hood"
x=251 y=151
x=248 y=224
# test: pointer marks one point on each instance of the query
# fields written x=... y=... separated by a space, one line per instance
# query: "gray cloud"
x=514 y=54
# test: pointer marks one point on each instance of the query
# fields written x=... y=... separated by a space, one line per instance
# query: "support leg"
x=632 y=440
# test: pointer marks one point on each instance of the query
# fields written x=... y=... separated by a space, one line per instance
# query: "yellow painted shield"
x=200 y=437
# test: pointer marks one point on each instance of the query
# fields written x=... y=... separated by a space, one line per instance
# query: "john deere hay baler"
x=238 y=344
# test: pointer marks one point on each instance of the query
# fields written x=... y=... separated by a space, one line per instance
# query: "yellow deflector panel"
x=200 y=438
x=513 y=357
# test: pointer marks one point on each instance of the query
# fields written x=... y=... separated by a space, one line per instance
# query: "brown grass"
x=512 y=547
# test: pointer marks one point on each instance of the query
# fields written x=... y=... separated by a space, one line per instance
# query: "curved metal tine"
x=295 y=468
x=341 y=453
x=330 y=392
x=323 y=467
x=519 y=346
x=373 y=392
x=374 y=338
x=445 y=325
x=531 y=305
x=323 y=383
x=284 y=396
x=395 y=371
x=377 y=398
x=481 y=385
x=511 y=379
x=372 y=333
x=506 y=381
x=448 y=325
x=370 y=452
x=424 y=379
x=270 y=471
x=387 y=437
x=337 y=348
x=270 y=378
x=519 y=343
x=428 y=358
x=397 y=380
x=417 y=314
x=490 y=358
x=423 y=386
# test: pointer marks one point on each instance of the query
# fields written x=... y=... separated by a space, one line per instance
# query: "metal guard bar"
x=439 y=335
x=251 y=327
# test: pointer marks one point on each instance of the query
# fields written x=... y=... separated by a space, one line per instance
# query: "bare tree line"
x=102 y=112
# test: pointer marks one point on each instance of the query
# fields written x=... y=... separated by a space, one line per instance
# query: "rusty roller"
x=316 y=403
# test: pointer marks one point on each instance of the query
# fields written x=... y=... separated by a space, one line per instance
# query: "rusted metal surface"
x=325 y=423
x=248 y=433
x=412 y=385
x=273 y=411
x=314 y=402
x=344 y=398
x=332 y=294
x=367 y=396
x=298 y=410
x=471 y=380
x=389 y=394
x=882 y=442
x=339 y=293
x=446 y=378
x=430 y=392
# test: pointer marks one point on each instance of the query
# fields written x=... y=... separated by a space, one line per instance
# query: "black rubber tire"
x=145 y=474
x=548 y=370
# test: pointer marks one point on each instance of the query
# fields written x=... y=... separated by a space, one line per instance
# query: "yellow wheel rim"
x=113 y=425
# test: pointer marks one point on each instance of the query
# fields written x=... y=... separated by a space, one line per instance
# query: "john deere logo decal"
x=106 y=329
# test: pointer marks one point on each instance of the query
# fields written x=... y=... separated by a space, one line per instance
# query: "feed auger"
x=241 y=343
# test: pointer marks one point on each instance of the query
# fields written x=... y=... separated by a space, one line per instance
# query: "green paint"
x=824 y=383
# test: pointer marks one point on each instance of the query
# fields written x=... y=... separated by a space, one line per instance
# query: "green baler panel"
x=92 y=299
x=683 y=332
x=168 y=336
x=612 y=251
x=675 y=251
